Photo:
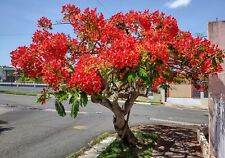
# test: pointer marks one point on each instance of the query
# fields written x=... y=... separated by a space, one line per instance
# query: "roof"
x=7 y=68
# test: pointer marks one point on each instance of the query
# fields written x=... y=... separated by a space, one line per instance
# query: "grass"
x=139 y=99
x=147 y=100
x=144 y=150
x=18 y=93
x=95 y=141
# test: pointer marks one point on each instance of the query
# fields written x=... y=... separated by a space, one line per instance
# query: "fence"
x=24 y=87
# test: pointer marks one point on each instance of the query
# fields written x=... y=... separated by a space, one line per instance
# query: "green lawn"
x=18 y=93
x=139 y=99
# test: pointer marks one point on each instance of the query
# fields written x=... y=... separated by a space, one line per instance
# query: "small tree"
x=113 y=59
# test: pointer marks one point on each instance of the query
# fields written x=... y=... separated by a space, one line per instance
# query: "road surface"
x=30 y=130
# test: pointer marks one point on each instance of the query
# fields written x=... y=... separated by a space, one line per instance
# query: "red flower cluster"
x=157 y=82
x=28 y=59
x=54 y=47
x=40 y=35
x=45 y=58
x=44 y=23
x=86 y=75
x=203 y=57
x=122 y=55
x=55 y=72
x=126 y=41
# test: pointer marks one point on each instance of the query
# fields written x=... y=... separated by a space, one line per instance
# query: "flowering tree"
x=113 y=58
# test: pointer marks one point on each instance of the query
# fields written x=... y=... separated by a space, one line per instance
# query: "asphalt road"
x=30 y=130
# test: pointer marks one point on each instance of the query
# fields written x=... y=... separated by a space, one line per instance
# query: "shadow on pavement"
x=174 y=141
x=3 y=129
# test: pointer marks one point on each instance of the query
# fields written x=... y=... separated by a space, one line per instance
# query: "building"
x=7 y=74
x=187 y=94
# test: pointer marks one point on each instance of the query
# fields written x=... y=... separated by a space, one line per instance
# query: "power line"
x=99 y=2
x=57 y=23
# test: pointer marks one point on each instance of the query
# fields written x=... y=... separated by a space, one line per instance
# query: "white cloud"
x=178 y=3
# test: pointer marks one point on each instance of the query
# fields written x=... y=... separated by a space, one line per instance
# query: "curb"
x=203 y=141
x=185 y=106
x=97 y=149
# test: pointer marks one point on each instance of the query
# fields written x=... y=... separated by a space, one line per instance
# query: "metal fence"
x=24 y=87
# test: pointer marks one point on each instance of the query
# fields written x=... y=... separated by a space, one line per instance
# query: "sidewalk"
x=180 y=105
x=3 y=110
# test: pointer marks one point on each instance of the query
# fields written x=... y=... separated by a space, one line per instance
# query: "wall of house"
x=180 y=91
x=216 y=34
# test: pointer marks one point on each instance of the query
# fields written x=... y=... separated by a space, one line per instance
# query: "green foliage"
x=75 y=108
x=18 y=93
x=60 y=108
x=76 y=100
x=214 y=62
x=144 y=136
x=61 y=95
x=114 y=150
x=144 y=150
x=24 y=79
x=83 y=99
x=142 y=73
x=131 y=77
x=220 y=59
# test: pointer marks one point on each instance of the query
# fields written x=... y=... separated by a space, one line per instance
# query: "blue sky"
x=19 y=17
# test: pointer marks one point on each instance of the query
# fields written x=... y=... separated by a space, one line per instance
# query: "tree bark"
x=124 y=132
x=120 y=123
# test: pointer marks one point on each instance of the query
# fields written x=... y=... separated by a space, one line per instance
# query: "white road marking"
x=67 y=111
x=174 y=122
x=80 y=127
x=151 y=119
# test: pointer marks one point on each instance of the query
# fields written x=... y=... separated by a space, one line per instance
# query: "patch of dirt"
x=174 y=142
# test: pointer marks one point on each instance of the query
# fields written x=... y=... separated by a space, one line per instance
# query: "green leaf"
x=97 y=96
x=73 y=97
x=75 y=108
x=142 y=73
x=83 y=99
x=167 y=77
x=214 y=62
x=220 y=59
x=131 y=78
x=60 y=108
x=158 y=61
x=61 y=95
x=200 y=64
x=39 y=99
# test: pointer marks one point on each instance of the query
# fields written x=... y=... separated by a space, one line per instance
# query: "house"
x=186 y=93
x=7 y=74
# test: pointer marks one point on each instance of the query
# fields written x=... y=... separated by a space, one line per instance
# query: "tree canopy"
x=116 y=57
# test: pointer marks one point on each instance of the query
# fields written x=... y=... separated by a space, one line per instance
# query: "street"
x=31 y=130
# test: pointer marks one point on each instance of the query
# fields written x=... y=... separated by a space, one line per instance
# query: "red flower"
x=45 y=23
x=148 y=45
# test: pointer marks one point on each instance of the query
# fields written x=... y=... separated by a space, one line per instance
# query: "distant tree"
x=114 y=58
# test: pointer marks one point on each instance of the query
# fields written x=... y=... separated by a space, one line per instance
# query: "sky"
x=18 y=18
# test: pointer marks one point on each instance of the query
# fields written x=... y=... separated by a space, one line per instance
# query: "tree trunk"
x=119 y=121
x=123 y=130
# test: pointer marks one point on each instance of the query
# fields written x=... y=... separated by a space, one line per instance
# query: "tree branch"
x=103 y=101
x=129 y=102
